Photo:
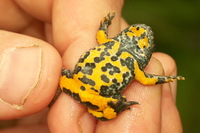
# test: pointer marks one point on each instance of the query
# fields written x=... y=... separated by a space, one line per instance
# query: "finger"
x=171 y=121
x=41 y=27
x=29 y=74
x=27 y=129
x=15 y=19
x=76 y=28
x=29 y=124
x=146 y=116
x=40 y=9
x=35 y=29
x=169 y=66
x=71 y=116
x=75 y=24
x=170 y=116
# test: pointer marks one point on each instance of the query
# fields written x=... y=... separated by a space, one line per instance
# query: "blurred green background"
x=176 y=26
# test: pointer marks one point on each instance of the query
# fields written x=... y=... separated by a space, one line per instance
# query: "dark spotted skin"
x=104 y=71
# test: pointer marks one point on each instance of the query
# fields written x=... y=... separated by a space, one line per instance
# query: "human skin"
x=66 y=29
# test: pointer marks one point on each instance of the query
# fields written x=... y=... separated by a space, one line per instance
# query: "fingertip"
x=33 y=70
x=171 y=121
x=68 y=115
x=81 y=25
x=168 y=63
x=62 y=115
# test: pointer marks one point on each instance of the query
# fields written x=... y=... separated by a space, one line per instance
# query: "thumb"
x=29 y=74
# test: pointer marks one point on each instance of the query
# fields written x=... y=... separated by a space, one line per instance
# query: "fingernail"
x=19 y=73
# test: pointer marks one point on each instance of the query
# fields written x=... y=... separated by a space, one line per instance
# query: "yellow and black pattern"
x=104 y=71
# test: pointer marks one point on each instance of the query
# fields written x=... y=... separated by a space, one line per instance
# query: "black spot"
x=74 y=95
x=125 y=75
x=129 y=63
x=109 y=65
x=86 y=80
x=91 y=65
x=81 y=60
x=98 y=49
x=118 y=53
x=82 y=88
x=104 y=88
x=97 y=60
x=86 y=70
x=114 y=80
x=122 y=62
x=126 y=78
x=114 y=58
x=104 y=91
x=91 y=82
x=137 y=28
x=105 y=78
x=113 y=86
x=118 y=84
x=94 y=48
x=104 y=69
x=77 y=69
x=67 y=73
x=109 y=45
x=111 y=72
x=92 y=88
x=90 y=105
x=103 y=54
x=116 y=70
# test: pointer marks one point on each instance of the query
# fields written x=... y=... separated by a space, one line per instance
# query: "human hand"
x=71 y=26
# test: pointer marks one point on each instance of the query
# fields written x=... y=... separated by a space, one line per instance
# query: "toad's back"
x=104 y=71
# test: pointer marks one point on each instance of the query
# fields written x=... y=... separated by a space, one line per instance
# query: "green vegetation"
x=176 y=25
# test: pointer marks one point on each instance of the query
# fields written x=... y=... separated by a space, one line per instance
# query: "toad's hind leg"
x=150 y=79
x=66 y=74
x=102 y=34
x=112 y=110
x=68 y=84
